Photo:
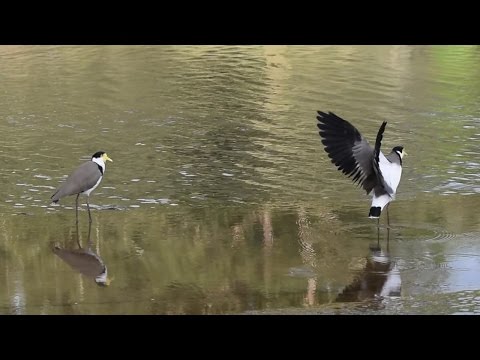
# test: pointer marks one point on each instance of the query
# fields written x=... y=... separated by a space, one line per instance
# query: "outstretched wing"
x=350 y=151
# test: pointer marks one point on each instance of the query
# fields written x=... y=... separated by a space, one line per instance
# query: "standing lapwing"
x=83 y=180
x=354 y=156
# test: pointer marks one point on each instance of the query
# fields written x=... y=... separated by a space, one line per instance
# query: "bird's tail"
x=378 y=203
x=375 y=212
x=55 y=197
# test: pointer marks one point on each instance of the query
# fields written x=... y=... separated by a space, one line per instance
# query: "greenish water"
x=220 y=198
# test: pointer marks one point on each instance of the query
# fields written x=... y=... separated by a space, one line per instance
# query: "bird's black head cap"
x=98 y=154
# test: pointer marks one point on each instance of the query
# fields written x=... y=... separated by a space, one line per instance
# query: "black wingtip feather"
x=339 y=138
x=378 y=141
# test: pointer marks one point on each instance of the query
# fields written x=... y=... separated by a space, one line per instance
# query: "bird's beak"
x=404 y=152
x=105 y=157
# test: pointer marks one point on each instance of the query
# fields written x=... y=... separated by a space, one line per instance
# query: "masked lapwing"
x=352 y=154
x=83 y=180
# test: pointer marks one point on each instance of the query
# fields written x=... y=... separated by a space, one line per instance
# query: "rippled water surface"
x=220 y=198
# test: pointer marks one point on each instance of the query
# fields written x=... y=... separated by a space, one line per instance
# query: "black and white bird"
x=83 y=180
x=352 y=154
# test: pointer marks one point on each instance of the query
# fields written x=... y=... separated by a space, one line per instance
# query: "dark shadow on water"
x=85 y=261
x=379 y=278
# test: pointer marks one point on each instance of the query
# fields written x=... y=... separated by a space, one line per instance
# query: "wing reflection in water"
x=379 y=278
x=85 y=261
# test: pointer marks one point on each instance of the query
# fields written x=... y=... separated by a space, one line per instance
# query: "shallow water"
x=220 y=198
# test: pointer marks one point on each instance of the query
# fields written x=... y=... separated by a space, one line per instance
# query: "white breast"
x=391 y=172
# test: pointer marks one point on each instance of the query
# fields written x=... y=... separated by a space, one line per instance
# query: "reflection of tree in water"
x=243 y=266
x=307 y=252
x=191 y=299
x=379 y=278
x=241 y=258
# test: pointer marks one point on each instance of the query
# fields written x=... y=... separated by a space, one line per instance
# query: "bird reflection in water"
x=380 y=277
x=85 y=261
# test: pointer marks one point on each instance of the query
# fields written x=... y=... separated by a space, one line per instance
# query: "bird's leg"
x=88 y=208
x=76 y=222
x=388 y=217
x=388 y=227
x=388 y=239
x=378 y=236
x=89 y=243
x=76 y=210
